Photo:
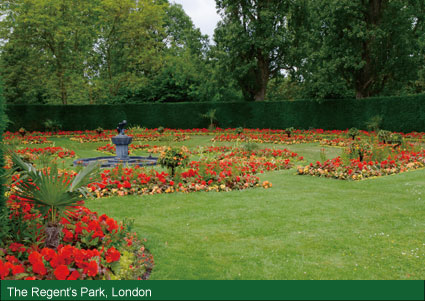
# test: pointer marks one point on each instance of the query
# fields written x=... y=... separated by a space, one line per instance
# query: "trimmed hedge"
x=404 y=114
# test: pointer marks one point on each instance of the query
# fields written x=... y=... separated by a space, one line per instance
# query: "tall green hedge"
x=3 y=123
x=403 y=114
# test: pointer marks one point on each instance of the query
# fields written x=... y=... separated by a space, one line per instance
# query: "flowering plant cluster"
x=60 y=152
x=229 y=169
x=339 y=142
x=199 y=176
x=357 y=169
x=266 y=138
x=12 y=138
x=173 y=157
x=93 y=247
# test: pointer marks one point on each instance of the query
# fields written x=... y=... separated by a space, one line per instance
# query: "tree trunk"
x=53 y=232
x=64 y=94
x=262 y=77
x=365 y=77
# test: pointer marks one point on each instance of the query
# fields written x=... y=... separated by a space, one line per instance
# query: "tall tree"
x=360 y=47
x=181 y=75
x=58 y=33
x=253 y=42
x=129 y=46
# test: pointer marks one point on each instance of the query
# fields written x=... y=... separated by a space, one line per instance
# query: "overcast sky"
x=203 y=14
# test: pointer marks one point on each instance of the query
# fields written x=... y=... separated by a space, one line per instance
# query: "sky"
x=203 y=14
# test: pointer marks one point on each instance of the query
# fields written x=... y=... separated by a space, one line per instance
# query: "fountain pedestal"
x=121 y=142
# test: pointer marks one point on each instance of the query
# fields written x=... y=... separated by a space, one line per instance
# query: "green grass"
x=302 y=228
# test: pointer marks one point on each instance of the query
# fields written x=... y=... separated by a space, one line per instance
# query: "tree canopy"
x=120 y=51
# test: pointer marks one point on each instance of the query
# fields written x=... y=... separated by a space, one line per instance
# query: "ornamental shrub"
x=384 y=136
x=173 y=157
x=353 y=133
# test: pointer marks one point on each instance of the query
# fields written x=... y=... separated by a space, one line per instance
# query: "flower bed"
x=229 y=169
x=50 y=150
x=358 y=170
x=266 y=138
x=217 y=176
x=12 y=138
x=93 y=247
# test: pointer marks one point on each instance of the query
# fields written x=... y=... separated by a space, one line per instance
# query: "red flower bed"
x=357 y=170
x=232 y=169
x=9 y=138
x=92 y=249
x=50 y=150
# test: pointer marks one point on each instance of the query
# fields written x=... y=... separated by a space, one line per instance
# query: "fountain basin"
x=109 y=161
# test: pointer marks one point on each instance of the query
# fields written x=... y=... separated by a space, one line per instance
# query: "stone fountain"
x=121 y=142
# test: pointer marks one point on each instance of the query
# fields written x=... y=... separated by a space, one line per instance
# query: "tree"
x=357 y=48
x=56 y=34
x=253 y=42
x=129 y=48
x=183 y=61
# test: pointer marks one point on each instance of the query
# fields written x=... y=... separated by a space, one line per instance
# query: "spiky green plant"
x=52 y=193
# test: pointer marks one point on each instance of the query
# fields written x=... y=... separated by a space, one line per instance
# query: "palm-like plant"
x=211 y=116
x=51 y=192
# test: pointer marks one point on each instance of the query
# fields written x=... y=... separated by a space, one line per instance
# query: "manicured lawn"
x=302 y=228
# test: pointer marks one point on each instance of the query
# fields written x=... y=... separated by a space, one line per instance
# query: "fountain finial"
x=121 y=127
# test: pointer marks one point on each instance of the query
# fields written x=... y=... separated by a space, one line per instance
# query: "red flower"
x=74 y=275
x=91 y=268
x=4 y=269
x=30 y=278
x=112 y=255
x=17 y=269
x=12 y=259
x=39 y=268
x=35 y=257
x=112 y=224
x=15 y=247
x=61 y=272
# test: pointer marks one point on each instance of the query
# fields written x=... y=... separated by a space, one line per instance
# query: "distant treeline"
x=128 y=51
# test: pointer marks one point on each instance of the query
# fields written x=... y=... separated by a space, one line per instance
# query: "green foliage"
x=99 y=130
x=211 y=116
x=353 y=133
x=384 y=136
x=253 y=44
x=52 y=125
x=289 y=131
x=374 y=123
x=396 y=139
x=160 y=130
x=173 y=157
x=360 y=48
x=359 y=150
x=239 y=130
